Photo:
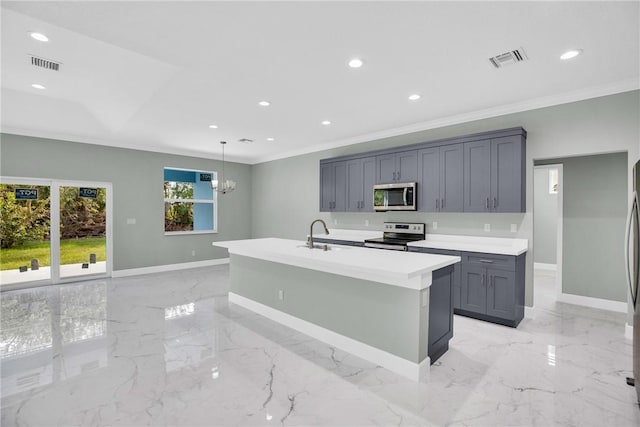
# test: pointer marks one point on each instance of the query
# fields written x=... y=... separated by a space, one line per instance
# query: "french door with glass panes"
x=53 y=231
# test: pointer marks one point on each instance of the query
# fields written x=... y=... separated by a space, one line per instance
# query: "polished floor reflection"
x=168 y=349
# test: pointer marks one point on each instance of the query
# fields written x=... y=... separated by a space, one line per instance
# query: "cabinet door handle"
x=487 y=261
x=394 y=176
x=437 y=204
x=491 y=278
x=442 y=204
x=482 y=280
x=495 y=202
x=487 y=204
x=398 y=175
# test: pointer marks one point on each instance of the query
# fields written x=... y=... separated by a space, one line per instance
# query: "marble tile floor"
x=168 y=349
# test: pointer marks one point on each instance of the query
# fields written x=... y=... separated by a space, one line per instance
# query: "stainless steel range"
x=396 y=236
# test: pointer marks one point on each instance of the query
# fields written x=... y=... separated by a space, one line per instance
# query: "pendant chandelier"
x=221 y=185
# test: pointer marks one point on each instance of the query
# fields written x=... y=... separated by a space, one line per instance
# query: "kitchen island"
x=391 y=308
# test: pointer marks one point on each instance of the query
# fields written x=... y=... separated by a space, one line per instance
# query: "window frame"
x=213 y=201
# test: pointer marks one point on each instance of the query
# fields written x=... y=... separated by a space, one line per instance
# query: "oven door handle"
x=404 y=195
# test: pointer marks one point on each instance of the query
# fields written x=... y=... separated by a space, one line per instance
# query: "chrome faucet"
x=310 y=238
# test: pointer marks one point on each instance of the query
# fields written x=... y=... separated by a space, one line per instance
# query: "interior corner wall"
x=286 y=191
x=545 y=218
x=136 y=178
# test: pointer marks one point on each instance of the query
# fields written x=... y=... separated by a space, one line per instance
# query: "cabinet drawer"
x=502 y=262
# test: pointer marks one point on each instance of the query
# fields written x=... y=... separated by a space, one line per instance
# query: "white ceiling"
x=154 y=75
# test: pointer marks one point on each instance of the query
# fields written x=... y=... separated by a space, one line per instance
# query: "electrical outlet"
x=131 y=221
x=366 y=222
x=487 y=227
x=514 y=228
x=280 y=294
x=335 y=221
x=193 y=253
x=434 y=226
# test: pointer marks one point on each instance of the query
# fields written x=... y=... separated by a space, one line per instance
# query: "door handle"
x=630 y=279
x=491 y=279
x=404 y=196
x=394 y=176
x=486 y=261
x=398 y=176
x=482 y=280
x=437 y=204
x=487 y=205
x=495 y=202
x=442 y=203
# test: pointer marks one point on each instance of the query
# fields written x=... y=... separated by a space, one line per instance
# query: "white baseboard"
x=628 y=331
x=169 y=267
x=529 y=312
x=406 y=368
x=603 y=304
x=544 y=266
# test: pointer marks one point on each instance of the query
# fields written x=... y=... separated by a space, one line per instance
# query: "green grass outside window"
x=72 y=251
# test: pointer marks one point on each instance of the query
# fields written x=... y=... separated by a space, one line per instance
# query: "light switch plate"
x=366 y=222
x=280 y=294
x=434 y=226
x=487 y=227
x=514 y=228
x=131 y=221
x=335 y=221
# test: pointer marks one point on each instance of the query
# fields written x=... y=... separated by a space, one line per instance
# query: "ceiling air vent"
x=245 y=140
x=508 y=58
x=44 y=63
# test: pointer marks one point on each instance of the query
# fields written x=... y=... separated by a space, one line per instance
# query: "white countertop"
x=489 y=245
x=404 y=269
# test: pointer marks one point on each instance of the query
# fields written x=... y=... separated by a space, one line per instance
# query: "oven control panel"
x=404 y=227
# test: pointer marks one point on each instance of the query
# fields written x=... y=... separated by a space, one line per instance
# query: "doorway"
x=547 y=232
x=54 y=231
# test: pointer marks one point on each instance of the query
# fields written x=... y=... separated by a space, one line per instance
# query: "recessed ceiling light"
x=571 y=54
x=213 y=126
x=356 y=63
x=271 y=139
x=39 y=36
x=326 y=122
x=264 y=103
x=37 y=86
x=414 y=97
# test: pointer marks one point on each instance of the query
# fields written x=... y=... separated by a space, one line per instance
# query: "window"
x=189 y=202
x=553 y=181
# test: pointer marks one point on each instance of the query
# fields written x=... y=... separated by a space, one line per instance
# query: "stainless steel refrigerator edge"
x=632 y=262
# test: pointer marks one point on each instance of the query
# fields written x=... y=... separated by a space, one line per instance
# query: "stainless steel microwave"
x=395 y=197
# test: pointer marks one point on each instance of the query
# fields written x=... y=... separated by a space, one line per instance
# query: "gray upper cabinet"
x=507 y=174
x=440 y=178
x=333 y=187
x=477 y=176
x=397 y=167
x=474 y=173
x=360 y=181
x=494 y=175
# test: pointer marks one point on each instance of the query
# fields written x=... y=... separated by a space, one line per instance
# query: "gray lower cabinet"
x=494 y=171
x=360 y=180
x=492 y=288
x=440 y=178
x=333 y=187
x=456 y=269
x=486 y=286
x=397 y=167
